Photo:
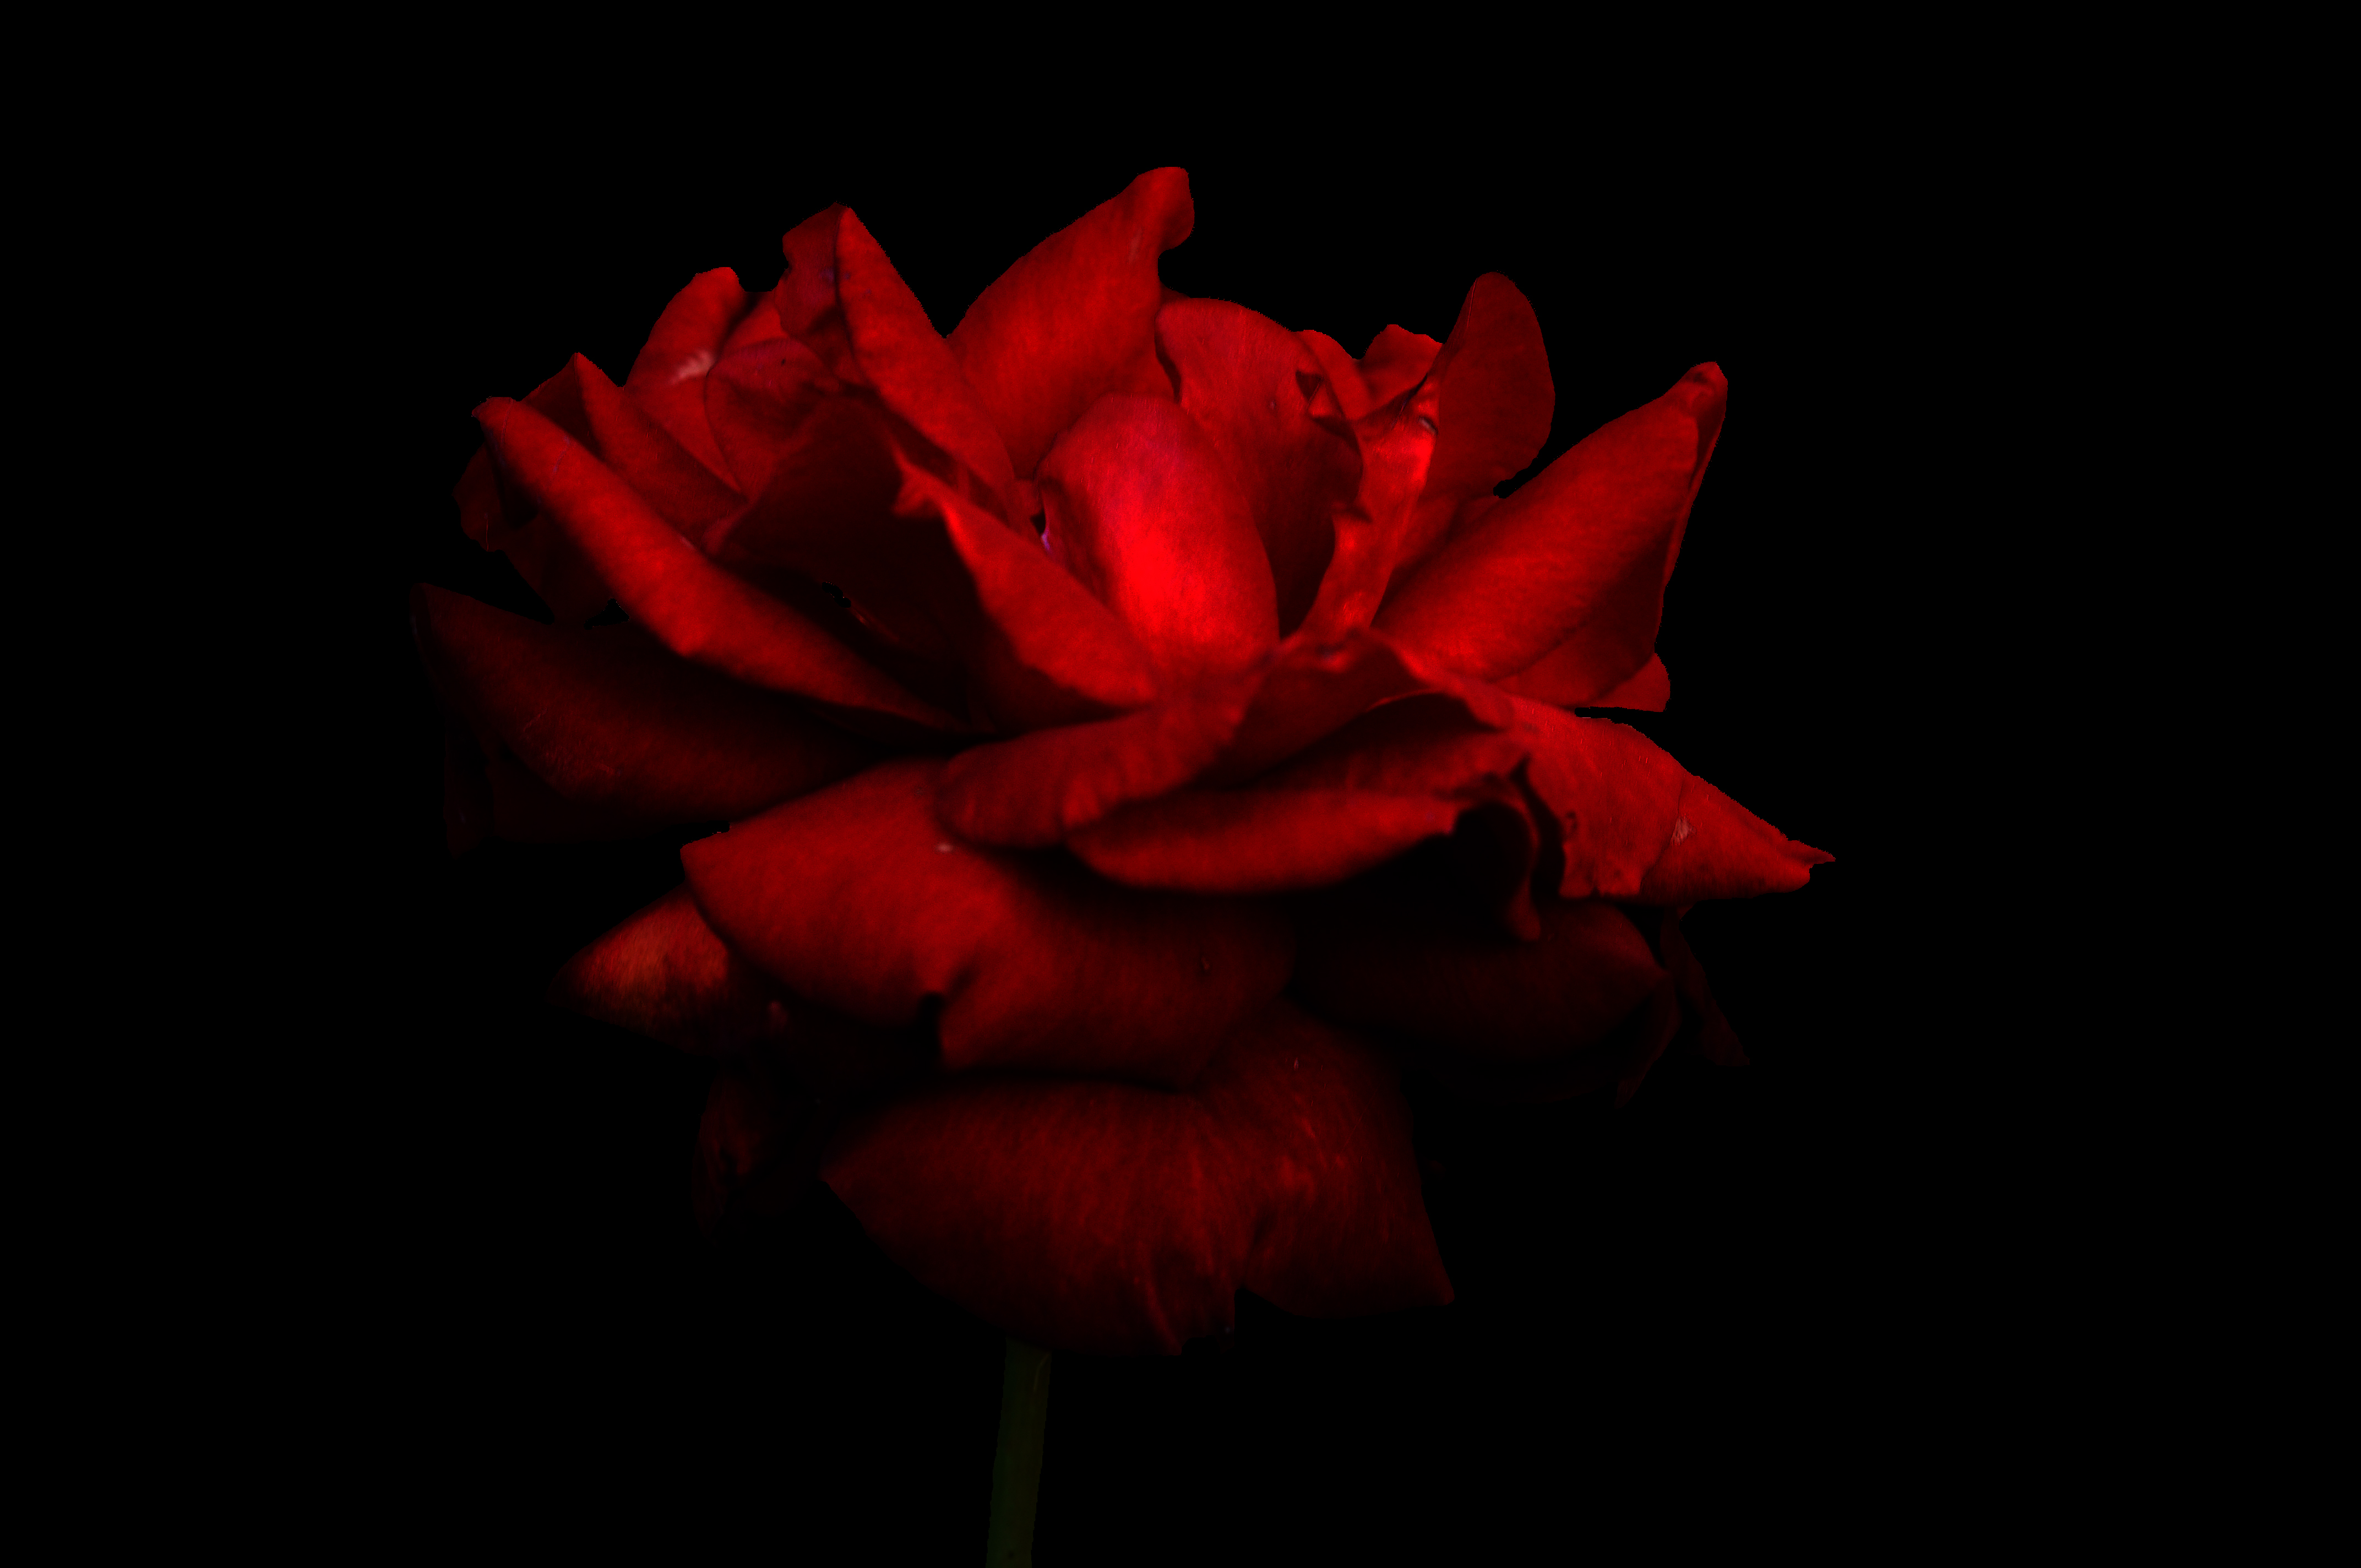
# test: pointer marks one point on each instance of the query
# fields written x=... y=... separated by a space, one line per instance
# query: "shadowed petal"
x=691 y=606
x=1115 y=1220
x=1635 y=825
x=1583 y=549
x=609 y=719
x=1074 y=319
x=665 y=974
x=1370 y=960
x=842 y=298
x=1261 y=397
x=1143 y=512
x=855 y=898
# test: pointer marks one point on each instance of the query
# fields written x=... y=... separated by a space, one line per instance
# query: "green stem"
x=1017 y=1463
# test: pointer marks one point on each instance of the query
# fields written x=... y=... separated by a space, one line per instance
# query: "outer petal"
x=1583 y=548
x=1114 y=1220
x=855 y=898
x=1074 y=320
x=690 y=605
x=1261 y=396
x=667 y=380
x=1397 y=361
x=1634 y=825
x=609 y=719
x=1496 y=403
x=1143 y=512
x=1035 y=790
x=844 y=300
x=1370 y=960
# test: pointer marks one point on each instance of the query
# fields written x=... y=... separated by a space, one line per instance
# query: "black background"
x=1658 y=1308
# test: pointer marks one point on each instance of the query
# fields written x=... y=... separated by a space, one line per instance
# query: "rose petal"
x=1398 y=360
x=1114 y=1220
x=757 y=401
x=1396 y=443
x=1365 y=958
x=1074 y=319
x=664 y=974
x=1568 y=677
x=1634 y=825
x=647 y=457
x=1408 y=772
x=842 y=298
x=1033 y=791
x=1040 y=650
x=667 y=380
x=609 y=719
x=856 y=898
x=1583 y=548
x=1261 y=397
x=500 y=517
x=1143 y=512
x=1496 y=403
x=690 y=605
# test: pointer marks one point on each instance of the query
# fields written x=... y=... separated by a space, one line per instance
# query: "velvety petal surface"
x=1635 y=825
x=1372 y=960
x=855 y=897
x=1143 y=512
x=842 y=298
x=1116 y=1219
x=1035 y=790
x=1494 y=403
x=1261 y=396
x=1583 y=548
x=1074 y=319
x=609 y=719
x=687 y=603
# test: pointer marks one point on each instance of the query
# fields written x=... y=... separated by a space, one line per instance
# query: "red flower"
x=1141 y=726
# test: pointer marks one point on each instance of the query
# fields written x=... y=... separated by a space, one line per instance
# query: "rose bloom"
x=1142 y=728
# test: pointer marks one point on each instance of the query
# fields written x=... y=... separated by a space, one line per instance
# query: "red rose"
x=1141 y=725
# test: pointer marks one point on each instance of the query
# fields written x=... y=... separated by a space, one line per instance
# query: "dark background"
x=1659 y=1310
